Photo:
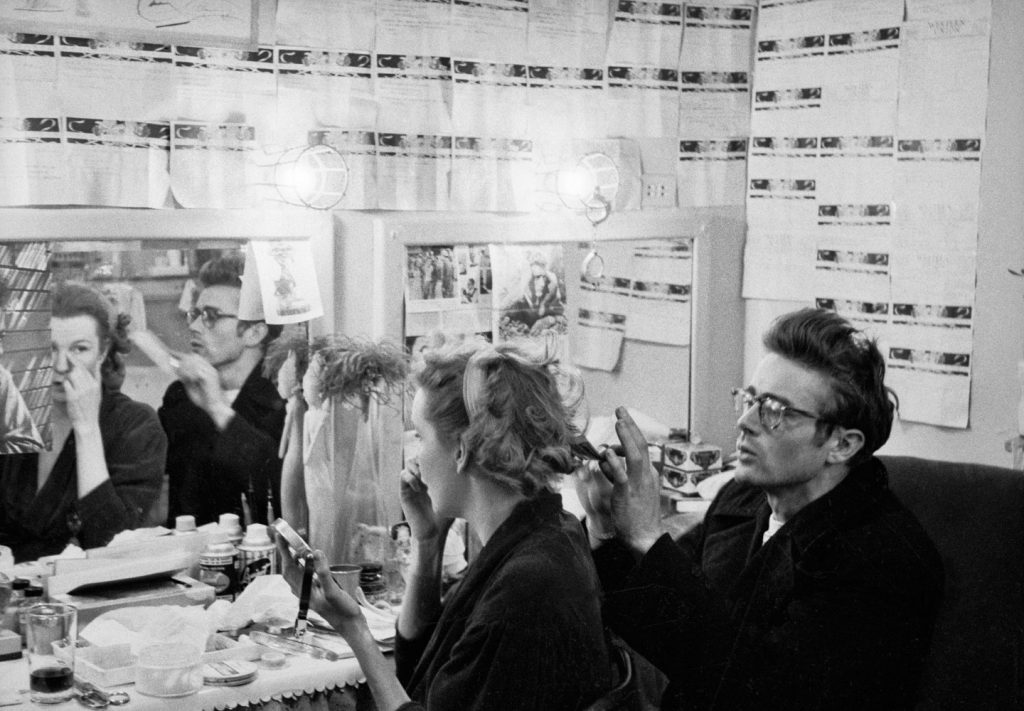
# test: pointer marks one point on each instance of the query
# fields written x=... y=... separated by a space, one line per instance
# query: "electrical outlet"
x=659 y=190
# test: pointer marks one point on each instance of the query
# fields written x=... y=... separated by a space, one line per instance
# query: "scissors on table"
x=93 y=697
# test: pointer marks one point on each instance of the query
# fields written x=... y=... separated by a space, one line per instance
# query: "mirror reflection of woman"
x=522 y=629
x=105 y=468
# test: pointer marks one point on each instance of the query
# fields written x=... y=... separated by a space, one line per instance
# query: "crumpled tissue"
x=267 y=599
x=144 y=626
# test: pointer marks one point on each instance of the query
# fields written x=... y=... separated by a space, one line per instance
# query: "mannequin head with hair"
x=491 y=413
x=86 y=332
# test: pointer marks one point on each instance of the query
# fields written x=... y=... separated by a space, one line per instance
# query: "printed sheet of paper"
x=937 y=189
x=827 y=67
x=646 y=33
x=711 y=172
x=360 y=151
x=142 y=73
x=597 y=337
x=492 y=174
x=853 y=263
x=216 y=85
x=871 y=317
x=413 y=171
x=32 y=168
x=944 y=9
x=779 y=264
x=116 y=163
x=568 y=33
x=211 y=164
x=414 y=93
x=326 y=23
x=930 y=370
x=715 y=72
x=930 y=346
x=566 y=101
x=489 y=98
x=319 y=88
x=642 y=101
x=226 y=22
x=415 y=26
x=33 y=161
x=648 y=283
x=944 y=78
x=28 y=76
x=287 y=277
x=494 y=30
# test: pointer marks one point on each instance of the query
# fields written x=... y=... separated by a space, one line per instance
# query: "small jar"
x=6 y=591
x=10 y=612
x=372 y=582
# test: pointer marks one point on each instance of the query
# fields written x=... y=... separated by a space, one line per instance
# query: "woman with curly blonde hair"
x=106 y=465
x=522 y=629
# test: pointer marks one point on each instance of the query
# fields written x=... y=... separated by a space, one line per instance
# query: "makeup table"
x=304 y=683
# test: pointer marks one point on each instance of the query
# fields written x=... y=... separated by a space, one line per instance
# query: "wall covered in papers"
x=867 y=128
x=428 y=101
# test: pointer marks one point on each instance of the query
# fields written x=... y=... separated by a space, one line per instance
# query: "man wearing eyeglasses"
x=222 y=417
x=808 y=585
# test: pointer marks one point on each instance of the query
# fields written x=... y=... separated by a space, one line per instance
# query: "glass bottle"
x=33 y=596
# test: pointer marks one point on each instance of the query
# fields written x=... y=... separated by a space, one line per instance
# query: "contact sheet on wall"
x=864 y=175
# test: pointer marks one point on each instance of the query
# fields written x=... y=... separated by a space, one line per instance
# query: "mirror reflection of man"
x=18 y=432
x=223 y=418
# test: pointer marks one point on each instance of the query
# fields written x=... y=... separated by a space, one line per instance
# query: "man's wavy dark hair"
x=829 y=344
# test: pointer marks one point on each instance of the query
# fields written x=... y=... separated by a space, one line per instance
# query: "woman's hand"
x=424 y=523
x=83 y=394
x=327 y=598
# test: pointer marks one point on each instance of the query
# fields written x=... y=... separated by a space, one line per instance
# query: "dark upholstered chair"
x=975 y=516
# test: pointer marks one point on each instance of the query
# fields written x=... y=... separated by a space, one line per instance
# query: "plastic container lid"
x=232 y=672
x=229 y=522
x=185 y=524
x=256 y=535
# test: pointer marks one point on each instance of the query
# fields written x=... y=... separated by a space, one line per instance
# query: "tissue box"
x=177 y=590
x=686 y=464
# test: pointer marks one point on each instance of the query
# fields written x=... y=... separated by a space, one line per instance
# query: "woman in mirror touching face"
x=106 y=463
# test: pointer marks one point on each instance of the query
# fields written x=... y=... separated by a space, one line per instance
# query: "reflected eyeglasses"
x=770 y=412
x=209 y=315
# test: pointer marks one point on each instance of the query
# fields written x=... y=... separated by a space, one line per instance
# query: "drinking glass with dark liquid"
x=51 y=631
x=50 y=680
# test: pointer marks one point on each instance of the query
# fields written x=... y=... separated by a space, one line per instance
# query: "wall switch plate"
x=659 y=190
